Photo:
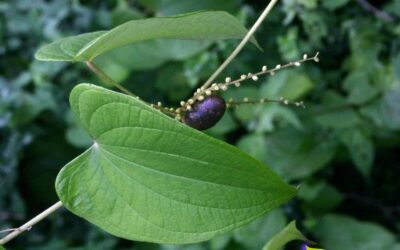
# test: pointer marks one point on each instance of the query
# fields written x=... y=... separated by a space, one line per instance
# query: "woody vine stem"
x=14 y=232
x=28 y=225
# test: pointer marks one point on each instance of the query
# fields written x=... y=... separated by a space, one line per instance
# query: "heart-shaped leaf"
x=204 y=25
x=150 y=178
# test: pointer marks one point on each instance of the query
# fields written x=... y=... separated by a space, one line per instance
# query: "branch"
x=241 y=44
x=27 y=226
x=377 y=12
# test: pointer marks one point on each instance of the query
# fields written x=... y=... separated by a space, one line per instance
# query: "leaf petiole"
x=103 y=76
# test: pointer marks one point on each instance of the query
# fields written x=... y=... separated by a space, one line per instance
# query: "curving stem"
x=241 y=44
x=106 y=78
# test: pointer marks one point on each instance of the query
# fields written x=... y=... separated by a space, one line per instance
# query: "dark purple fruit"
x=206 y=113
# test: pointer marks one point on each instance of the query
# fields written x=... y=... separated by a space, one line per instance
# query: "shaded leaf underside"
x=204 y=25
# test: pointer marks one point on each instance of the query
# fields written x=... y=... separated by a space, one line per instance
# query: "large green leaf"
x=204 y=25
x=150 y=178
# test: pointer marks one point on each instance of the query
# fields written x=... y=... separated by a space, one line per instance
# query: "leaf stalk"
x=103 y=76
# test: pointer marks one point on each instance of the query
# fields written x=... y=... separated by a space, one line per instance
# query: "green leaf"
x=294 y=154
x=204 y=25
x=385 y=112
x=319 y=197
x=334 y=4
x=338 y=119
x=244 y=113
x=2 y=248
x=345 y=233
x=275 y=112
x=150 y=178
x=31 y=105
x=172 y=76
x=289 y=84
x=220 y=242
x=124 y=13
x=254 y=235
x=396 y=65
x=255 y=145
x=361 y=149
x=289 y=233
x=335 y=112
x=309 y=4
x=359 y=88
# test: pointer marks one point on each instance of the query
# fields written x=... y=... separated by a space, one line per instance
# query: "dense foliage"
x=341 y=149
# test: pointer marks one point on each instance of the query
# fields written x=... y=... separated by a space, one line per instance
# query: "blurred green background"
x=343 y=149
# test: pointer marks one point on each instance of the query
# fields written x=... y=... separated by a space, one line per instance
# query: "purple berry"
x=206 y=113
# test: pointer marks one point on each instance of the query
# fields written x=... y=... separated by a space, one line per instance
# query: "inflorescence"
x=204 y=91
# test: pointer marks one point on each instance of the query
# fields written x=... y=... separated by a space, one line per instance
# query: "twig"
x=241 y=44
x=27 y=226
x=377 y=12
x=106 y=78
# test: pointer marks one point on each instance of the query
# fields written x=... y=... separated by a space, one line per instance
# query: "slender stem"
x=27 y=226
x=106 y=78
x=233 y=103
x=111 y=82
x=241 y=44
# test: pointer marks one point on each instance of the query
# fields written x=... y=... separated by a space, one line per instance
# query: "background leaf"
x=148 y=177
x=361 y=149
x=343 y=233
x=253 y=237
